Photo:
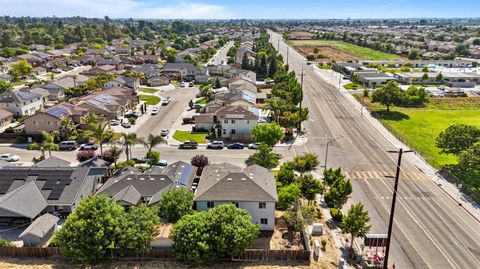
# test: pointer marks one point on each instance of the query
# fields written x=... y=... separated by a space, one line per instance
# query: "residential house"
x=123 y=82
x=40 y=231
x=21 y=103
x=6 y=117
x=158 y=81
x=111 y=103
x=252 y=188
x=204 y=121
x=180 y=71
x=235 y=123
x=100 y=69
x=33 y=59
x=131 y=186
x=49 y=120
x=57 y=87
x=242 y=73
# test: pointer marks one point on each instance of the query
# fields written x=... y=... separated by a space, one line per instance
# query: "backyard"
x=340 y=51
x=150 y=99
x=183 y=136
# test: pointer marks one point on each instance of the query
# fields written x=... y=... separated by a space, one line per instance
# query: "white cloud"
x=114 y=8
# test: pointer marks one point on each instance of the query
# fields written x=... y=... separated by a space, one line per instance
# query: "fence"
x=32 y=252
x=273 y=255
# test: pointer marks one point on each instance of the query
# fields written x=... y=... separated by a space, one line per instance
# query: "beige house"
x=49 y=120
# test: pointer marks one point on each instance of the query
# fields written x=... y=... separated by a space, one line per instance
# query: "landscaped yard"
x=340 y=51
x=148 y=90
x=352 y=86
x=183 y=136
x=419 y=127
x=150 y=99
x=201 y=101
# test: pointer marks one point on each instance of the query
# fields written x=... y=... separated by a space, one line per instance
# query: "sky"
x=243 y=9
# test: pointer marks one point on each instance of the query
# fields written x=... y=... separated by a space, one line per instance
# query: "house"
x=179 y=71
x=111 y=103
x=131 y=186
x=27 y=192
x=158 y=81
x=100 y=69
x=6 y=117
x=252 y=188
x=235 y=123
x=40 y=232
x=374 y=79
x=204 y=121
x=126 y=82
x=242 y=73
x=21 y=103
x=49 y=120
x=57 y=88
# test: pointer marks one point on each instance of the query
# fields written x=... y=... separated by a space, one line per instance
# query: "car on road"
x=166 y=100
x=189 y=145
x=89 y=146
x=163 y=163
x=139 y=159
x=154 y=111
x=190 y=84
x=195 y=106
x=131 y=115
x=183 y=84
x=236 y=145
x=164 y=132
x=215 y=145
x=114 y=122
x=126 y=124
x=253 y=145
x=9 y=157
x=68 y=145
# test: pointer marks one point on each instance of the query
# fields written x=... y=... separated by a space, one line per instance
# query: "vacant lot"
x=340 y=51
x=419 y=127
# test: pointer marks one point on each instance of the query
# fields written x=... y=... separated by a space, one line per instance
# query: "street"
x=221 y=56
x=430 y=229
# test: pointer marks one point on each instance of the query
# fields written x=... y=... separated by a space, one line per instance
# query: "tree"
x=356 y=222
x=91 y=230
x=66 y=129
x=84 y=155
x=272 y=65
x=48 y=143
x=175 y=204
x=288 y=195
x=412 y=55
x=264 y=156
x=309 y=187
x=90 y=119
x=200 y=161
x=457 y=138
x=470 y=158
x=425 y=69
x=331 y=175
x=268 y=133
x=191 y=104
x=112 y=154
x=171 y=55
x=246 y=62
x=425 y=77
x=20 y=69
x=137 y=228
x=128 y=141
x=277 y=106
x=100 y=132
x=5 y=86
x=389 y=95
x=340 y=192
x=305 y=163
x=285 y=175
x=151 y=142
x=439 y=77
x=415 y=96
x=217 y=85
x=355 y=79
x=153 y=157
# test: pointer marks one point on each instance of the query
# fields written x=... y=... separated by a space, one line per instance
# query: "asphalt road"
x=430 y=229
x=221 y=56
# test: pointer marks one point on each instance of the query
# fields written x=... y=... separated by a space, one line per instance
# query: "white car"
x=114 y=122
x=9 y=157
x=215 y=145
x=163 y=163
x=126 y=124
x=183 y=84
x=166 y=100
x=253 y=145
x=154 y=111
x=164 y=132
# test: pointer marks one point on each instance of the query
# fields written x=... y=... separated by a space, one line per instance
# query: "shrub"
x=328 y=200
x=324 y=243
x=5 y=243
x=33 y=147
x=84 y=155
x=336 y=214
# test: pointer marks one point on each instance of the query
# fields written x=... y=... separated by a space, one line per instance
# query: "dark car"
x=131 y=115
x=189 y=145
x=139 y=159
x=236 y=145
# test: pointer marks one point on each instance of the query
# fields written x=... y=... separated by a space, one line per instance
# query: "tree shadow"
x=390 y=115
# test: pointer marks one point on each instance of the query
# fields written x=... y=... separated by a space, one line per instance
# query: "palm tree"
x=99 y=133
x=48 y=143
x=91 y=119
x=128 y=141
x=115 y=153
x=66 y=128
x=276 y=104
x=151 y=142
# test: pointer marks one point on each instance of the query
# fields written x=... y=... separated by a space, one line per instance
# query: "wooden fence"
x=273 y=255
x=32 y=252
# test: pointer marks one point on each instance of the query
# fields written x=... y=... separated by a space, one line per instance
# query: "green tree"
x=48 y=143
x=20 y=69
x=389 y=95
x=288 y=195
x=246 y=63
x=5 y=86
x=356 y=222
x=268 y=133
x=340 y=192
x=305 y=163
x=91 y=230
x=457 y=138
x=415 y=96
x=171 y=55
x=128 y=140
x=264 y=156
x=285 y=175
x=151 y=142
x=439 y=77
x=175 y=204
x=100 y=132
x=137 y=228
x=470 y=158
x=66 y=129
x=412 y=55
x=309 y=187
x=425 y=77
x=277 y=105
x=331 y=175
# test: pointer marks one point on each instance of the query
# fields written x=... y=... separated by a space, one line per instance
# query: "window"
x=210 y=204
x=49 y=122
x=262 y=205
x=224 y=131
x=264 y=221
x=225 y=121
x=35 y=122
x=233 y=121
x=233 y=131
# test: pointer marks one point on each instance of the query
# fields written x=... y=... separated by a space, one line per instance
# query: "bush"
x=336 y=214
x=5 y=243
x=33 y=147
x=84 y=155
x=9 y=130
x=121 y=165
x=328 y=200
x=324 y=243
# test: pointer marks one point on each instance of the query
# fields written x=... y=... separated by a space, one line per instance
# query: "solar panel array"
x=183 y=180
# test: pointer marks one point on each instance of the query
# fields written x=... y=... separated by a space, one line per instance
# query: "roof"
x=41 y=226
x=53 y=162
x=18 y=97
x=128 y=195
x=235 y=112
x=63 y=110
x=95 y=162
x=5 y=114
x=26 y=201
x=204 y=118
x=227 y=182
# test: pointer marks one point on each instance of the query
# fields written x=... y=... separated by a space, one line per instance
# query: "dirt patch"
x=332 y=54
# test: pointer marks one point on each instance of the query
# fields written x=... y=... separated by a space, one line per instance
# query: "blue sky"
x=236 y=9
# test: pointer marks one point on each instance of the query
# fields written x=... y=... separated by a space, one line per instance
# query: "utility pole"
x=394 y=200
x=326 y=150
x=278 y=45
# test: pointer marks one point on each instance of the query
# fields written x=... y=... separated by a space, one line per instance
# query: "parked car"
x=189 y=145
x=126 y=124
x=9 y=157
x=253 y=145
x=131 y=115
x=215 y=145
x=236 y=145
x=68 y=145
x=183 y=84
x=190 y=84
x=197 y=106
x=199 y=95
x=163 y=163
x=139 y=159
x=114 y=122
x=154 y=111
x=164 y=132
x=166 y=100
x=188 y=120
x=89 y=146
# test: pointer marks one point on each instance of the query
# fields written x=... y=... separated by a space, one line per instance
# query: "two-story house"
x=49 y=120
x=125 y=82
x=235 y=123
x=252 y=188
x=21 y=103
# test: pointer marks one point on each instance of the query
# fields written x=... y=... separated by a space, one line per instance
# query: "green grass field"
x=420 y=127
x=148 y=90
x=150 y=99
x=358 y=51
x=183 y=136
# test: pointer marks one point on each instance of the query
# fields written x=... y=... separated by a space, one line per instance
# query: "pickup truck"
x=189 y=145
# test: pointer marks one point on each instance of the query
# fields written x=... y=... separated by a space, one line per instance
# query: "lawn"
x=342 y=49
x=148 y=90
x=150 y=99
x=420 y=127
x=352 y=86
x=201 y=101
x=183 y=136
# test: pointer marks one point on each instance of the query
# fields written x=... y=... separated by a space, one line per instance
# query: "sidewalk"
x=299 y=140
x=450 y=189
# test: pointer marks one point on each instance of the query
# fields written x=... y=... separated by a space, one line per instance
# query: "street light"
x=394 y=200
x=326 y=150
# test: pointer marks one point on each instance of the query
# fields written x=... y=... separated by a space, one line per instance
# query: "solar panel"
x=183 y=180
x=55 y=195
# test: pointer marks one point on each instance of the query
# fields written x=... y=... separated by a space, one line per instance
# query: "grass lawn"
x=362 y=53
x=18 y=83
x=201 y=101
x=352 y=86
x=148 y=90
x=150 y=99
x=419 y=127
x=183 y=136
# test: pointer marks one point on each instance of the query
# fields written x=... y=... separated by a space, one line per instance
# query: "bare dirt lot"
x=332 y=54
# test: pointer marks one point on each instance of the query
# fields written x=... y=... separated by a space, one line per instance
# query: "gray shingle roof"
x=226 y=182
x=25 y=200
x=41 y=226
x=53 y=162
x=129 y=195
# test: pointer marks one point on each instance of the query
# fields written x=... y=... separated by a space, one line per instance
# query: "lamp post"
x=326 y=150
x=394 y=200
